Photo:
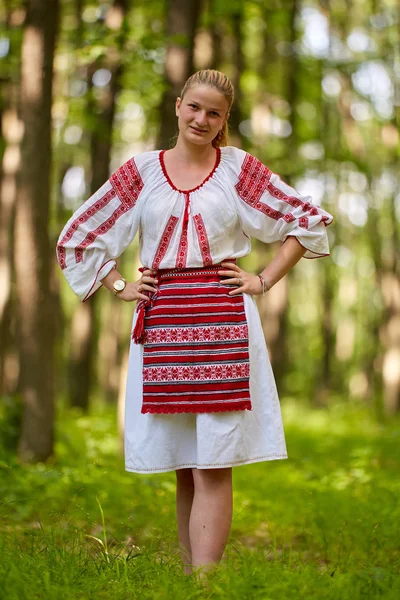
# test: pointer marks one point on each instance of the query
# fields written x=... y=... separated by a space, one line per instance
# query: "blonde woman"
x=201 y=396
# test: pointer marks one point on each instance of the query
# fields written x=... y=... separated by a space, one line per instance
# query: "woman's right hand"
x=134 y=290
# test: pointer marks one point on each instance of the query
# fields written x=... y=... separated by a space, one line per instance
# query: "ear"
x=177 y=106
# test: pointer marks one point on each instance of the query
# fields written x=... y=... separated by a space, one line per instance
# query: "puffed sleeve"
x=271 y=210
x=100 y=230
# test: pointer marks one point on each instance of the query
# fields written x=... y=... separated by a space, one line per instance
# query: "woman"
x=201 y=396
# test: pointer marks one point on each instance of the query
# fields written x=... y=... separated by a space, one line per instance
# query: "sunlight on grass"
x=323 y=524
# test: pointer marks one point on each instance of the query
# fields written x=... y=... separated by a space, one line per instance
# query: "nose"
x=201 y=118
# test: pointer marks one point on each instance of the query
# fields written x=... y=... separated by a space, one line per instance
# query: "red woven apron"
x=195 y=344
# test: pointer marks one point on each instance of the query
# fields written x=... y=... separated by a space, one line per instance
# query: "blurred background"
x=86 y=85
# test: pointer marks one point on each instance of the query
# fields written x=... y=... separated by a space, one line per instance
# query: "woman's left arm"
x=287 y=256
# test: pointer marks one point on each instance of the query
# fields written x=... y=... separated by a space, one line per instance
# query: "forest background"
x=86 y=85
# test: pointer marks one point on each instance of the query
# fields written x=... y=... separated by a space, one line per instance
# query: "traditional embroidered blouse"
x=241 y=198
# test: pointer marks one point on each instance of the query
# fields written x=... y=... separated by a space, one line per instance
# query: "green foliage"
x=302 y=113
x=324 y=524
x=10 y=419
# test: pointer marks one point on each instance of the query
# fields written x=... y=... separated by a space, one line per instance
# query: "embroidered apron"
x=195 y=344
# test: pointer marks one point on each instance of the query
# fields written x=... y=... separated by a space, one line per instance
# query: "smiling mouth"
x=198 y=130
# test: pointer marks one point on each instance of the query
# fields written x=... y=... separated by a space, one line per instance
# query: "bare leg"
x=211 y=516
x=184 y=500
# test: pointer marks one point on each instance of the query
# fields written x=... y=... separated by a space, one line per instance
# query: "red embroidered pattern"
x=85 y=216
x=203 y=239
x=101 y=230
x=127 y=183
x=194 y=335
x=61 y=257
x=165 y=240
x=182 y=250
x=254 y=180
x=195 y=345
x=183 y=243
x=196 y=372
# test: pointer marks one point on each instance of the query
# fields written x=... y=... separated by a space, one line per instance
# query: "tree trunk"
x=10 y=132
x=110 y=346
x=82 y=348
x=275 y=308
x=237 y=139
x=83 y=357
x=390 y=328
x=217 y=38
x=9 y=362
x=33 y=255
x=325 y=374
x=182 y=18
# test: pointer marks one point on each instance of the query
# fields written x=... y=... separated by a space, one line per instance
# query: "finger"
x=135 y=298
x=229 y=273
x=149 y=279
x=145 y=286
x=141 y=296
x=148 y=272
x=229 y=265
x=233 y=281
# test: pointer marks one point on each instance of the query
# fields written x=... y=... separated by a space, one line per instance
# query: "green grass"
x=323 y=524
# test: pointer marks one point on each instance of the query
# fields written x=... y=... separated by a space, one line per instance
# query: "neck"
x=192 y=152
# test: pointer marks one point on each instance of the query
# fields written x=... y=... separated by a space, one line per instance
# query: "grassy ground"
x=323 y=524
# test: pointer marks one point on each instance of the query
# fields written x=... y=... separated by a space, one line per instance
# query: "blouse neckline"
x=167 y=177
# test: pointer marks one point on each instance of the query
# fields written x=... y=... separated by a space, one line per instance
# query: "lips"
x=198 y=130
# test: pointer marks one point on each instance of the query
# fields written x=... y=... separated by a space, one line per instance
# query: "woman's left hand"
x=246 y=282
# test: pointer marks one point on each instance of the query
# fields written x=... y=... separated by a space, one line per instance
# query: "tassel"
x=138 y=331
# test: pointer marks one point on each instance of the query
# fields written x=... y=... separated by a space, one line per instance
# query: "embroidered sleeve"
x=100 y=230
x=271 y=210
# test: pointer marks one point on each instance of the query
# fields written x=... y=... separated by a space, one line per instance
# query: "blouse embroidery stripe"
x=85 y=216
x=165 y=241
x=127 y=183
x=101 y=230
x=182 y=250
x=126 y=186
x=61 y=257
x=293 y=201
x=255 y=179
x=203 y=239
x=183 y=242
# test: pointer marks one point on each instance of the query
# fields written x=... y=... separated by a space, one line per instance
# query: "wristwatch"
x=118 y=286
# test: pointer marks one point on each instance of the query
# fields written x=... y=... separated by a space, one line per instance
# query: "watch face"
x=119 y=285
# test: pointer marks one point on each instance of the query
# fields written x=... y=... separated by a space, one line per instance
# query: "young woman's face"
x=201 y=114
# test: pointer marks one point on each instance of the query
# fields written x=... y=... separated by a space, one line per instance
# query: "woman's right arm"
x=100 y=230
x=133 y=290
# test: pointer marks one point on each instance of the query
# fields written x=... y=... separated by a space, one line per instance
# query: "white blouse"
x=240 y=198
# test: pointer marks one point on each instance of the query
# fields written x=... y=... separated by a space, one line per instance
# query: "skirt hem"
x=266 y=457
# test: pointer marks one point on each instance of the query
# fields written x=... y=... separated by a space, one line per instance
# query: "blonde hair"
x=223 y=84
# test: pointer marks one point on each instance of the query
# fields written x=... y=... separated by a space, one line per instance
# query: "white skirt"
x=156 y=443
